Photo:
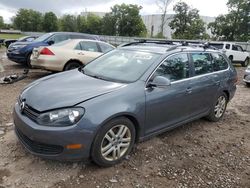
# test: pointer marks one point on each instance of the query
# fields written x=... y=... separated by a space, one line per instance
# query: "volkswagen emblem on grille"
x=22 y=106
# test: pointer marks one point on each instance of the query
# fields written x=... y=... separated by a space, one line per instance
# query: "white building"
x=153 y=23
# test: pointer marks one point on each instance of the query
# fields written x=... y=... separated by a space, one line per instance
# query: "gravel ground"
x=198 y=154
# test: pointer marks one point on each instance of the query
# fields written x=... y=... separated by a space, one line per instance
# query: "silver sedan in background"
x=246 y=78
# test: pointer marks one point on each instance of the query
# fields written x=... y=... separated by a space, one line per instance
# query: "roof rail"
x=148 y=41
x=205 y=45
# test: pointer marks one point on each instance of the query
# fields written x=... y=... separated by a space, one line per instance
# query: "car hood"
x=65 y=90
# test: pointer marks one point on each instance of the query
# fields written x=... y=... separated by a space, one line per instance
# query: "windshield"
x=43 y=37
x=121 y=65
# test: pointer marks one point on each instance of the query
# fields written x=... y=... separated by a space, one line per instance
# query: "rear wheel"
x=218 y=108
x=113 y=142
x=231 y=58
x=72 y=65
x=248 y=84
x=245 y=63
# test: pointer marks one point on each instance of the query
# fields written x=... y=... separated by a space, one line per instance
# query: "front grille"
x=38 y=147
x=29 y=111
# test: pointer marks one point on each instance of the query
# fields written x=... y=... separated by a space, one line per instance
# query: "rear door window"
x=89 y=46
x=202 y=63
x=174 y=68
x=219 y=62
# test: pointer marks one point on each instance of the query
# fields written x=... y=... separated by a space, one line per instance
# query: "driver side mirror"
x=50 y=42
x=159 y=81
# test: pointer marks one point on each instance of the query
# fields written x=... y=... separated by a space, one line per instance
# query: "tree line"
x=125 y=20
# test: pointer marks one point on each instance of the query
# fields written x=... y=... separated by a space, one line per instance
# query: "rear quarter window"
x=219 y=62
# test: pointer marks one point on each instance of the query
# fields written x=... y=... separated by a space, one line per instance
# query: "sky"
x=8 y=8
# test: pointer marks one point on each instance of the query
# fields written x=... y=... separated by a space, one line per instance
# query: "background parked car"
x=20 y=52
x=7 y=42
x=68 y=54
x=246 y=78
x=234 y=52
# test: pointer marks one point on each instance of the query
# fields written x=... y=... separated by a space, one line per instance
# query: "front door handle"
x=189 y=90
x=80 y=53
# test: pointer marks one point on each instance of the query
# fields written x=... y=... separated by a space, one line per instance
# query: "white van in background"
x=234 y=52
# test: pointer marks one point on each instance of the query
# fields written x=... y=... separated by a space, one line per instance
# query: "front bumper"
x=51 y=142
x=247 y=77
x=16 y=57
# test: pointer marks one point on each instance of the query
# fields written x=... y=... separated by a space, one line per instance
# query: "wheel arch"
x=72 y=60
x=129 y=116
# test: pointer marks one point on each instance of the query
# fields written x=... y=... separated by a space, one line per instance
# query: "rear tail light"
x=46 y=51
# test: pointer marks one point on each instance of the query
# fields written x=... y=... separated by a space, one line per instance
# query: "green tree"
x=93 y=24
x=1 y=22
x=124 y=20
x=187 y=23
x=68 y=23
x=236 y=24
x=50 y=22
x=81 y=23
x=28 y=20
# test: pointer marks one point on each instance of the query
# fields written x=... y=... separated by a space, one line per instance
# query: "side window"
x=174 y=68
x=240 y=48
x=59 y=38
x=202 y=63
x=227 y=46
x=105 y=48
x=234 y=48
x=219 y=62
x=89 y=46
x=78 y=46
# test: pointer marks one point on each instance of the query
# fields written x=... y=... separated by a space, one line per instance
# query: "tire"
x=218 y=108
x=231 y=58
x=28 y=61
x=248 y=84
x=245 y=63
x=72 y=65
x=112 y=144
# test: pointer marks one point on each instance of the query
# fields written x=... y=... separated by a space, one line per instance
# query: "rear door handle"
x=80 y=53
x=189 y=90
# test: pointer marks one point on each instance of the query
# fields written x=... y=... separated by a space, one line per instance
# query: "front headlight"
x=18 y=46
x=61 y=118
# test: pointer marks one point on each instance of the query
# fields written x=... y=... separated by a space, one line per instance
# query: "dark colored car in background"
x=7 y=42
x=20 y=52
x=124 y=96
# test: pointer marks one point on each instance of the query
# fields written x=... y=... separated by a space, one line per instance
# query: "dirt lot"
x=199 y=154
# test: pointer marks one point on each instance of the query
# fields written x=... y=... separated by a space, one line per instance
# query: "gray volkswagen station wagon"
x=134 y=92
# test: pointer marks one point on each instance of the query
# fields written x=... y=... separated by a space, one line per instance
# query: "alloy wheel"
x=116 y=142
x=220 y=106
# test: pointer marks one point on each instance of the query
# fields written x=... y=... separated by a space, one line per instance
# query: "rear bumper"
x=51 y=64
x=51 y=142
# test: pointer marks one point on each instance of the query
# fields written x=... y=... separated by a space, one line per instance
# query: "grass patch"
x=10 y=36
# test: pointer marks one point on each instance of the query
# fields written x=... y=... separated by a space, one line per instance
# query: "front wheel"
x=245 y=63
x=113 y=142
x=219 y=108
